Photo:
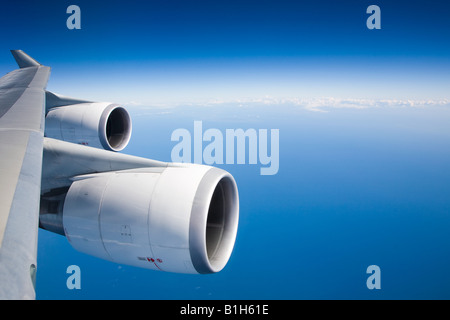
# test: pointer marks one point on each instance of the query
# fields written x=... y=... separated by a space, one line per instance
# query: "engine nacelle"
x=179 y=219
x=96 y=124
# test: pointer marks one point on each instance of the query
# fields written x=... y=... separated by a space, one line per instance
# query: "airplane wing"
x=22 y=107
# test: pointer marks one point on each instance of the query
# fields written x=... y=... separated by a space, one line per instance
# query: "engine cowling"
x=179 y=219
x=96 y=124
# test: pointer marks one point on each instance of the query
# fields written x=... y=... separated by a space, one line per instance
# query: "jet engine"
x=96 y=124
x=181 y=218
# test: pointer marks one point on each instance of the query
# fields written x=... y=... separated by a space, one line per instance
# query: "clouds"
x=322 y=104
x=328 y=104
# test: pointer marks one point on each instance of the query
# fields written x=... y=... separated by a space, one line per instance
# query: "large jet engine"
x=171 y=217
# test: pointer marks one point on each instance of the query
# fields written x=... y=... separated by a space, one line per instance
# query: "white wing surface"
x=22 y=107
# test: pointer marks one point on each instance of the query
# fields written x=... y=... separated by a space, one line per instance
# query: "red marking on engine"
x=154 y=262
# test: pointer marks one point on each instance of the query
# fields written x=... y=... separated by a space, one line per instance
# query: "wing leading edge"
x=22 y=108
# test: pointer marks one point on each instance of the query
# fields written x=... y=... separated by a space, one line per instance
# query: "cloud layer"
x=324 y=104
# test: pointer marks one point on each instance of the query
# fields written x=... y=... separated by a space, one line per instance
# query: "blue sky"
x=363 y=119
x=178 y=51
